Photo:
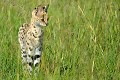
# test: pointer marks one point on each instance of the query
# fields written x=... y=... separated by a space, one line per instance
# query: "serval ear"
x=46 y=7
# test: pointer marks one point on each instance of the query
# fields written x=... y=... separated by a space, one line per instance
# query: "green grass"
x=81 y=42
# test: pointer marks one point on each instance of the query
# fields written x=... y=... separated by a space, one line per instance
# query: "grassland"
x=81 y=42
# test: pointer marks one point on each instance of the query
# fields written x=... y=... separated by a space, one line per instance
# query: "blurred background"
x=81 y=42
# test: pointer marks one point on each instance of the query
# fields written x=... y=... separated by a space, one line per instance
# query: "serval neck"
x=35 y=24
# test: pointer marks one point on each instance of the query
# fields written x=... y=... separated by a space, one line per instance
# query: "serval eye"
x=43 y=7
x=42 y=19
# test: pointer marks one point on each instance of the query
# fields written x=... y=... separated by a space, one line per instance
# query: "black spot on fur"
x=40 y=49
x=34 y=36
x=36 y=56
x=35 y=31
x=24 y=55
x=30 y=64
x=30 y=49
x=32 y=57
x=27 y=43
x=24 y=52
x=36 y=64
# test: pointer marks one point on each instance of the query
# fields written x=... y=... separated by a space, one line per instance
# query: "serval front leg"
x=37 y=58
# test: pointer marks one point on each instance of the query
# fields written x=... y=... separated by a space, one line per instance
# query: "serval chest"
x=34 y=37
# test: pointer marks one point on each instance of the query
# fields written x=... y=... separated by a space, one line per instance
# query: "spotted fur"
x=30 y=37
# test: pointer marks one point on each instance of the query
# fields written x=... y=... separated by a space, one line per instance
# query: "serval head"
x=40 y=16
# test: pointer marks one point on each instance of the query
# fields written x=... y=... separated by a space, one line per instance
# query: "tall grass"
x=81 y=42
